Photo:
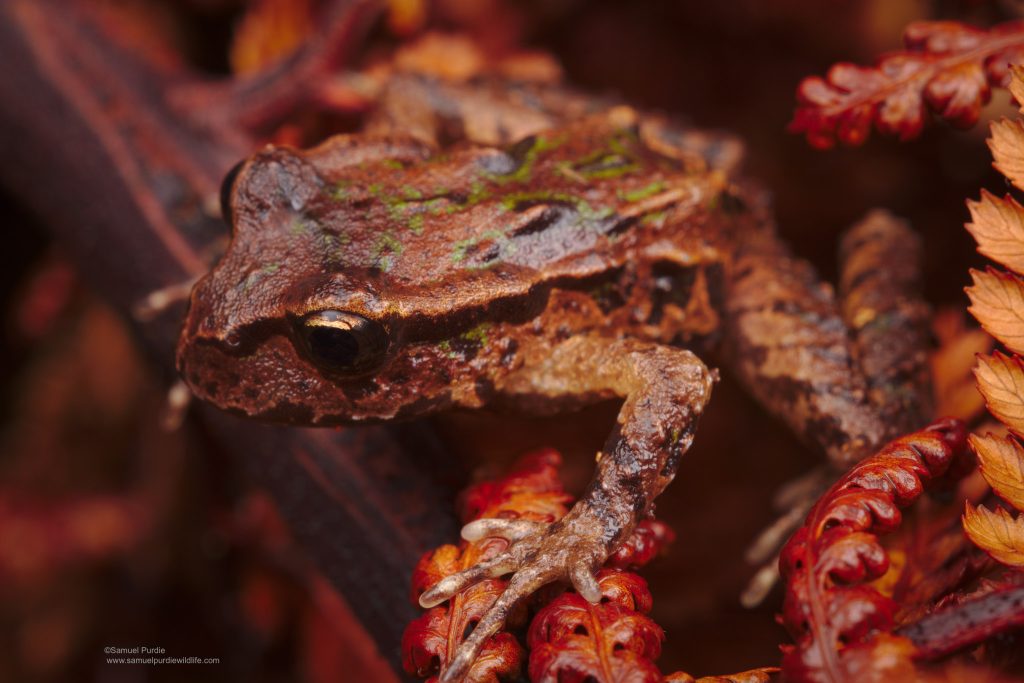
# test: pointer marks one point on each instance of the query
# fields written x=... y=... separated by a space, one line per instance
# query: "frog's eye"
x=343 y=342
x=226 y=188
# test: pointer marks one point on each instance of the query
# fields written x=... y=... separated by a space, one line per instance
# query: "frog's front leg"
x=665 y=390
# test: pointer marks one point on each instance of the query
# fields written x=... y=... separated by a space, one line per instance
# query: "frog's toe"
x=448 y=587
x=511 y=530
x=794 y=500
x=538 y=554
x=585 y=582
x=524 y=583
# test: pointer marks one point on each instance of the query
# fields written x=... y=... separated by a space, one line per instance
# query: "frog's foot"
x=572 y=548
x=794 y=500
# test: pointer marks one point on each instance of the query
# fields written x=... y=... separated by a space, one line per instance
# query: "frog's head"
x=280 y=329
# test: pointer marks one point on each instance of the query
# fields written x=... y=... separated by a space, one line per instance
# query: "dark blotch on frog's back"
x=552 y=216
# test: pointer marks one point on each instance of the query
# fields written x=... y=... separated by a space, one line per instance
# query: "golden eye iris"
x=338 y=341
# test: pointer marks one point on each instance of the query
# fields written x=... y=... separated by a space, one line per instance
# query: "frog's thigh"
x=787 y=342
x=880 y=300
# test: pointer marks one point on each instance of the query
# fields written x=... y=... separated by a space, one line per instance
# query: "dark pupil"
x=334 y=346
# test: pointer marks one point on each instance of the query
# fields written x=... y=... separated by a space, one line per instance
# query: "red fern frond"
x=648 y=540
x=829 y=609
x=532 y=490
x=947 y=67
x=573 y=640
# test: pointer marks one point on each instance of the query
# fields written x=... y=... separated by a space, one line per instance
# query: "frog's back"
x=478 y=225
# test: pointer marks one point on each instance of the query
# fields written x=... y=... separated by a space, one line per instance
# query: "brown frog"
x=378 y=277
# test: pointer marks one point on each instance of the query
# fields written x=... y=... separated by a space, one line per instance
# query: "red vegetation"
x=572 y=641
x=830 y=609
x=569 y=638
x=531 y=490
x=947 y=67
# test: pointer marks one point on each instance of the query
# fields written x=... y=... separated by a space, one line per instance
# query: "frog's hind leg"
x=880 y=300
x=846 y=374
x=787 y=342
x=665 y=390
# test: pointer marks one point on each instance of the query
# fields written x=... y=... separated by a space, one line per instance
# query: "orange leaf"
x=997 y=301
x=955 y=390
x=1002 y=464
x=998 y=533
x=270 y=30
x=947 y=67
x=1017 y=84
x=1001 y=382
x=1007 y=141
x=998 y=228
x=647 y=541
x=574 y=640
x=570 y=638
x=406 y=17
x=431 y=640
x=832 y=611
x=1007 y=145
x=532 y=490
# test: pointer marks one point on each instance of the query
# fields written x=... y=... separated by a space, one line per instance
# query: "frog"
x=381 y=276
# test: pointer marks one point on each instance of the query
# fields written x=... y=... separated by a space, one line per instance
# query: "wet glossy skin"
x=456 y=258
x=377 y=278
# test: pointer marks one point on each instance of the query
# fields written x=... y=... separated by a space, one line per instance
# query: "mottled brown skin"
x=564 y=269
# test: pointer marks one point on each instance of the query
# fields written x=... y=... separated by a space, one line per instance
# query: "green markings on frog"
x=334 y=248
x=445 y=347
x=256 y=275
x=538 y=144
x=340 y=191
x=499 y=242
x=303 y=225
x=468 y=343
x=409 y=208
x=385 y=250
x=477 y=335
x=613 y=161
x=641 y=193
x=416 y=223
x=603 y=165
x=584 y=209
x=333 y=245
x=656 y=219
x=586 y=214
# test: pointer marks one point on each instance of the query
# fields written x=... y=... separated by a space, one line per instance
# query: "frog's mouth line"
x=275 y=382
